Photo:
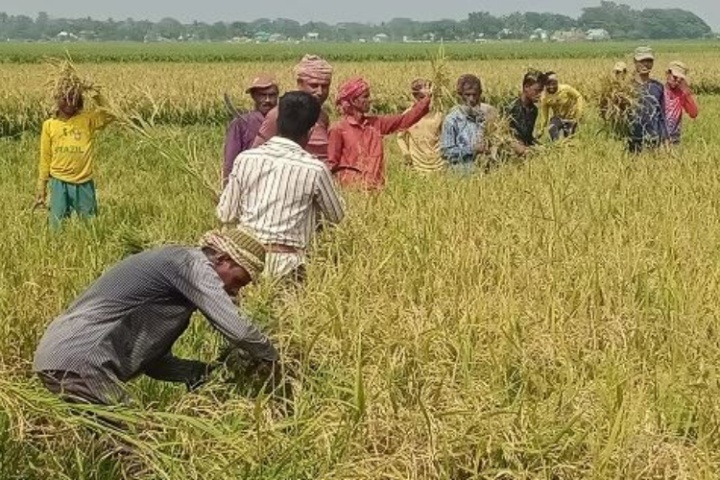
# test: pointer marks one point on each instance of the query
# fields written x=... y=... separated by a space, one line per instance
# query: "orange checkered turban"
x=348 y=92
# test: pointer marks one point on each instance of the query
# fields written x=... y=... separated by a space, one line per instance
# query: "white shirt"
x=279 y=191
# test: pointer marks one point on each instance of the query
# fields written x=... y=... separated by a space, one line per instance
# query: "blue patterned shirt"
x=461 y=132
x=648 y=122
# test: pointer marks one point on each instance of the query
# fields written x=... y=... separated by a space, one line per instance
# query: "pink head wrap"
x=348 y=92
x=312 y=67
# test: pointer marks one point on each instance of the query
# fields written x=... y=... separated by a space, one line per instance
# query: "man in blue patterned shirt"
x=648 y=126
x=463 y=132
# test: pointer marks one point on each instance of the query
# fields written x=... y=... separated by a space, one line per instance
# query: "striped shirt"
x=279 y=191
x=126 y=323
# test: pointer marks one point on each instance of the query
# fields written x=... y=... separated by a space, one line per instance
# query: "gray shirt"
x=126 y=323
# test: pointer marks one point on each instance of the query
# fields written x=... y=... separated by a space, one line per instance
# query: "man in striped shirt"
x=126 y=323
x=279 y=191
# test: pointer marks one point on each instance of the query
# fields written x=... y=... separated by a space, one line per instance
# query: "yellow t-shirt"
x=67 y=147
x=420 y=144
x=567 y=104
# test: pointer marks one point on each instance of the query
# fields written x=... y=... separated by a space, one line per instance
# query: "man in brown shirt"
x=314 y=76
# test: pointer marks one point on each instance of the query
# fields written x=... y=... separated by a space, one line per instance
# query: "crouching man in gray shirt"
x=126 y=323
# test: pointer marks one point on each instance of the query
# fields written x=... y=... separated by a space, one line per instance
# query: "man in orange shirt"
x=355 y=151
x=314 y=76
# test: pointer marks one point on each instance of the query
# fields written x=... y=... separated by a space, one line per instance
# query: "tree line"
x=620 y=21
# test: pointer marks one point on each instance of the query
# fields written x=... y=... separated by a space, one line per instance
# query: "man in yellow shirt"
x=420 y=144
x=66 y=157
x=561 y=106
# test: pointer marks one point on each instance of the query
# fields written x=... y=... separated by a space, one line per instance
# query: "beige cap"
x=644 y=53
x=261 y=81
x=678 y=69
x=620 y=67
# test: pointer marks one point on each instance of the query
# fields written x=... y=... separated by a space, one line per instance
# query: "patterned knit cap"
x=312 y=67
x=240 y=245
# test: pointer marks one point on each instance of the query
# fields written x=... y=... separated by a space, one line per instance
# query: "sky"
x=331 y=11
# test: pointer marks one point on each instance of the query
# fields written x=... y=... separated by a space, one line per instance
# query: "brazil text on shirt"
x=67 y=147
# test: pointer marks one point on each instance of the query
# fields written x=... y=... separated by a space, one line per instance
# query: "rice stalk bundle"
x=64 y=81
x=617 y=101
x=443 y=93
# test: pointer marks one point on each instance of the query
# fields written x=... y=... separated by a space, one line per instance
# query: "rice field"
x=556 y=319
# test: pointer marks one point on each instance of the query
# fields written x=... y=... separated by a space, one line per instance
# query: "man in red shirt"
x=355 y=151
x=314 y=76
x=678 y=98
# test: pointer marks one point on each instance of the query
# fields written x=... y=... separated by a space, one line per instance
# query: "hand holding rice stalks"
x=618 y=100
x=443 y=94
x=500 y=140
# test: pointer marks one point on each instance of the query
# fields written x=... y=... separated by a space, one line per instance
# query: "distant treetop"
x=618 y=21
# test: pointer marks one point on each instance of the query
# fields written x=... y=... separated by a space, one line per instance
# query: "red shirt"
x=318 y=144
x=678 y=100
x=355 y=151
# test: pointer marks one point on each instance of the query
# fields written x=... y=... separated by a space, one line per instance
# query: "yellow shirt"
x=67 y=147
x=566 y=103
x=420 y=144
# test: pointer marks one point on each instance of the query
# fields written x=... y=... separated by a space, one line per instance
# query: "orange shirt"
x=355 y=152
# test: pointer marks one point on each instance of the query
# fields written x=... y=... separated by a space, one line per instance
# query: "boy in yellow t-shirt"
x=66 y=157
x=561 y=106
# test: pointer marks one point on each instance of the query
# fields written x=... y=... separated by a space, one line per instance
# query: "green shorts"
x=66 y=198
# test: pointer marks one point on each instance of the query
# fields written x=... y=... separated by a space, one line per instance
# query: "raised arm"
x=101 y=117
x=199 y=283
x=689 y=103
x=389 y=124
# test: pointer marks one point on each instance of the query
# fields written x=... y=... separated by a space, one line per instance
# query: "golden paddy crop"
x=555 y=319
